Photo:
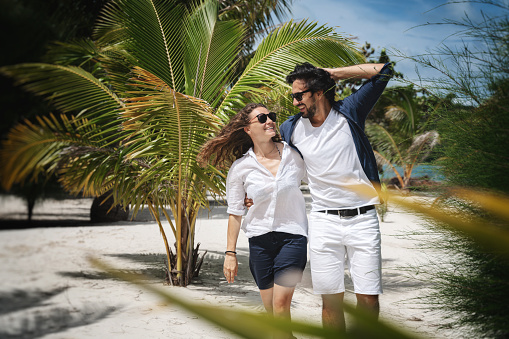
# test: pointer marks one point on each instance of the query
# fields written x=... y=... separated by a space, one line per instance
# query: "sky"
x=393 y=24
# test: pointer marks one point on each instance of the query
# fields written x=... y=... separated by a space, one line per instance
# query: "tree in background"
x=404 y=138
x=471 y=282
x=58 y=32
x=476 y=141
x=155 y=82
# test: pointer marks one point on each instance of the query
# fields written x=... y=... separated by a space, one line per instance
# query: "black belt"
x=349 y=213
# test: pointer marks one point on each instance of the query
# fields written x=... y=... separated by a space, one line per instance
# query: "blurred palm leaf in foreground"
x=488 y=228
x=154 y=83
x=465 y=262
x=260 y=325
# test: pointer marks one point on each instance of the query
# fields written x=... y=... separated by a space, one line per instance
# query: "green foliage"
x=470 y=275
x=475 y=142
x=472 y=286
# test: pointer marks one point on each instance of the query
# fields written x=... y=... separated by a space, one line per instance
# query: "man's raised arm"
x=362 y=71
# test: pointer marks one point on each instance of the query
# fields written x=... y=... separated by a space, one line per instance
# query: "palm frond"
x=279 y=52
x=256 y=15
x=153 y=34
x=109 y=28
x=404 y=112
x=381 y=160
x=422 y=146
x=90 y=174
x=80 y=52
x=395 y=113
x=383 y=141
x=168 y=127
x=68 y=88
x=33 y=149
x=212 y=47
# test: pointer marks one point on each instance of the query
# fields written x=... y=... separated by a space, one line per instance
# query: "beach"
x=49 y=288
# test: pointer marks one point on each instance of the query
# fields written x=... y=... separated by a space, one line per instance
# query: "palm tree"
x=406 y=140
x=154 y=84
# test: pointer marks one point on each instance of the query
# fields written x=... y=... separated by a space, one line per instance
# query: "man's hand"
x=248 y=202
x=331 y=71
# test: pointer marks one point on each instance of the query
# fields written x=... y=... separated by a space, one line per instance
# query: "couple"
x=324 y=145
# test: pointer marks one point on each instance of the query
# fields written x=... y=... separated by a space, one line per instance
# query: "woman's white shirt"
x=278 y=203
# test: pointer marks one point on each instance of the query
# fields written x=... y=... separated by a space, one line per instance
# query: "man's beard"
x=310 y=112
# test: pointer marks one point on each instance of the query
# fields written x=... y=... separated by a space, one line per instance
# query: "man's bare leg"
x=332 y=311
x=369 y=303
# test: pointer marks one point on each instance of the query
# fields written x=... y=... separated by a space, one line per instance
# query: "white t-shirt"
x=332 y=164
x=278 y=201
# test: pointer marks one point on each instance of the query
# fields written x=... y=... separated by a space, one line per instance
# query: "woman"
x=269 y=172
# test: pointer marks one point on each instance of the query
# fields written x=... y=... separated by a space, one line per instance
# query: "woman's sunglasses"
x=298 y=95
x=262 y=117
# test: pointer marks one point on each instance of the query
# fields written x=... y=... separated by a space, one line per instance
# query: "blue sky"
x=391 y=23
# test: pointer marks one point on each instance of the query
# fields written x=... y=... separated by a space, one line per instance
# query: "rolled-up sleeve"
x=235 y=193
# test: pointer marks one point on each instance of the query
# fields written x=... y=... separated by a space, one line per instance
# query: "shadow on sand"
x=39 y=315
x=210 y=280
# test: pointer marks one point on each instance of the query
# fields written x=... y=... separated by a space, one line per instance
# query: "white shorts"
x=336 y=242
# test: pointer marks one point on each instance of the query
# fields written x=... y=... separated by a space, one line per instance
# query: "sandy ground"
x=49 y=289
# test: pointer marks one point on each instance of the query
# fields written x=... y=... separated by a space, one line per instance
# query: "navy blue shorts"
x=277 y=257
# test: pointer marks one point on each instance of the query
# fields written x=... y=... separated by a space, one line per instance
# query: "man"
x=343 y=182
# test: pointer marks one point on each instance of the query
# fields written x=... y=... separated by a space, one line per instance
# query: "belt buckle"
x=349 y=213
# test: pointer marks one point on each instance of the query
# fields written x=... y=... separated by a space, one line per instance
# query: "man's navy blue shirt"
x=355 y=108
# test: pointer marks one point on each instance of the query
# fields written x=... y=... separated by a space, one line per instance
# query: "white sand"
x=49 y=289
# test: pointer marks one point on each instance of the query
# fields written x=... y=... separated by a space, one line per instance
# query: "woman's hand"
x=231 y=266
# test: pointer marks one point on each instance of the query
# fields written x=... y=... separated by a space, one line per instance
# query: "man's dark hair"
x=316 y=79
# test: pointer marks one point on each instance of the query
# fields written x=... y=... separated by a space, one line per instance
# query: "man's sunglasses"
x=298 y=95
x=262 y=117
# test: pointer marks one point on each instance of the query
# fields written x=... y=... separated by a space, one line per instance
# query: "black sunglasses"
x=298 y=95
x=262 y=117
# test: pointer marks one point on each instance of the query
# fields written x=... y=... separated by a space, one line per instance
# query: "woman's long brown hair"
x=232 y=142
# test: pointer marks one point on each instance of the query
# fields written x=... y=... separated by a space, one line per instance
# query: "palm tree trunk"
x=407 y=174
x=166 y=246
x=184 y=236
